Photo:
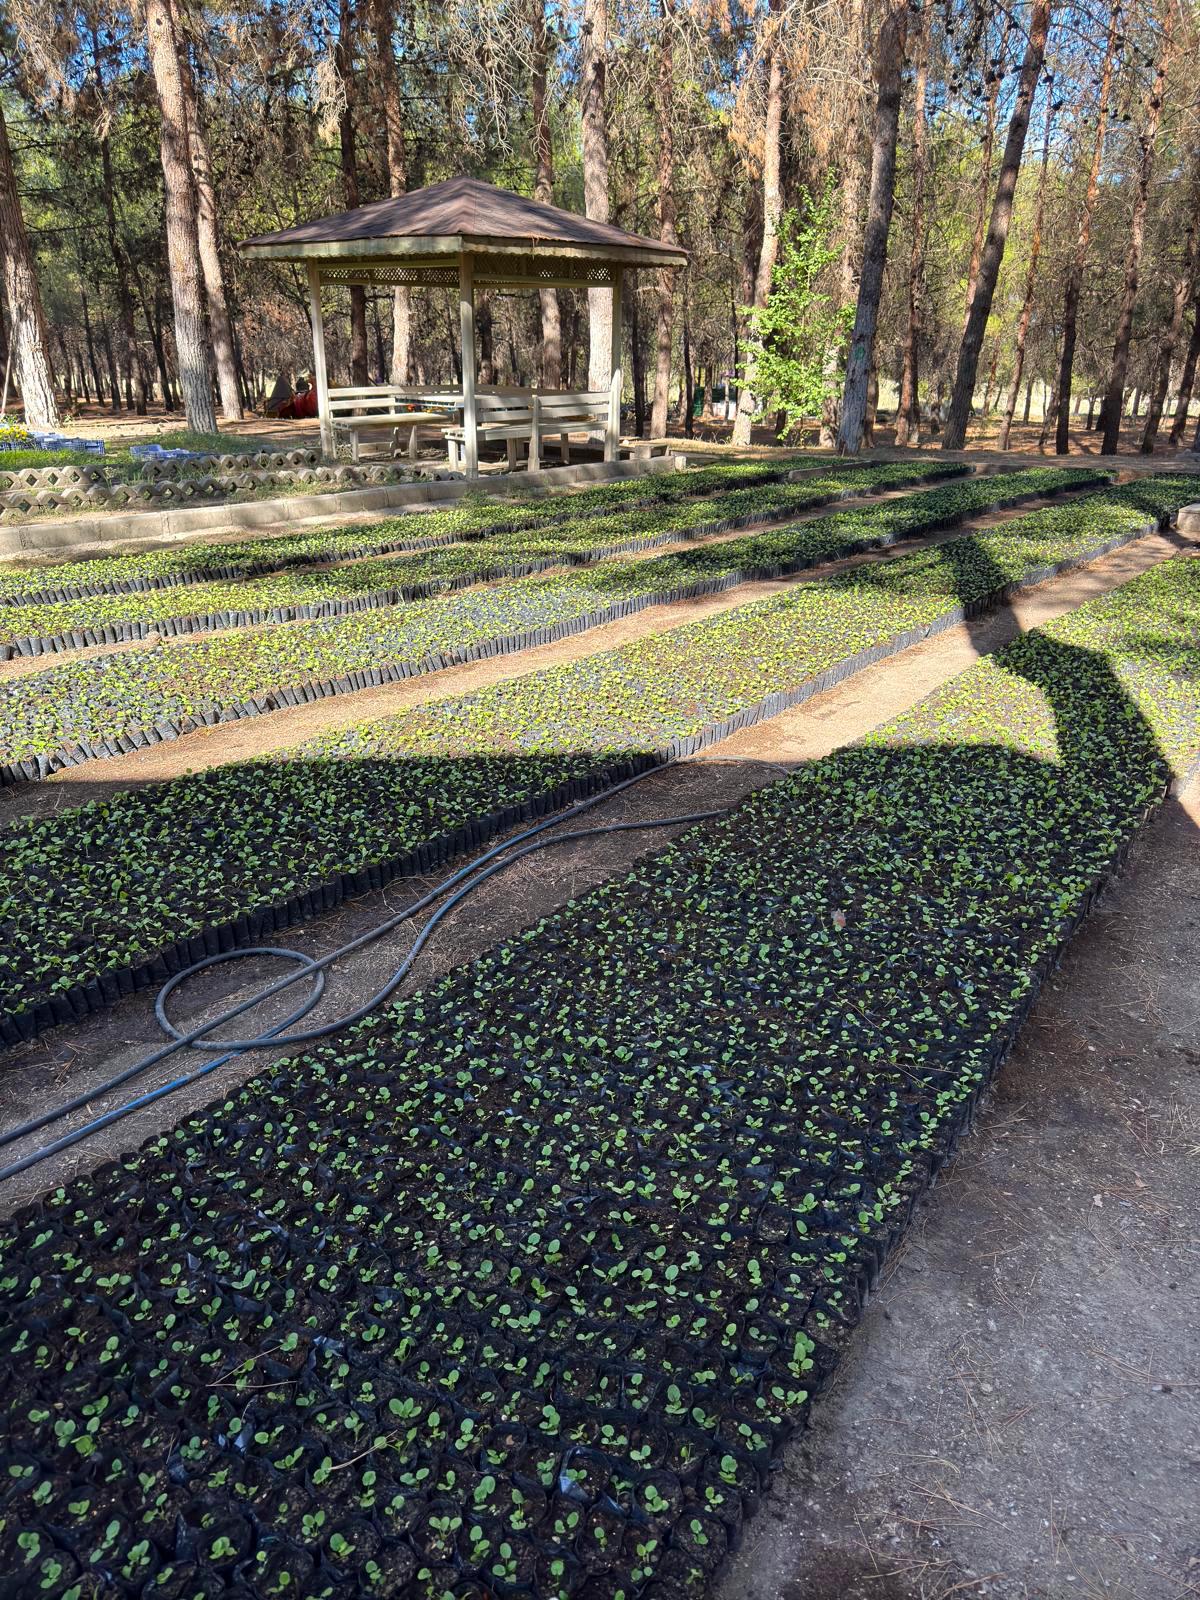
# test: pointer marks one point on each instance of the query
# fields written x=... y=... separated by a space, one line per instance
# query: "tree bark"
x=90 y=342
x=384 y=17
x=35 y=376
x=908 y=410
x=633 y=321
x=1148 y=140
x=1180 y=295
x=1035 y=250
x=343 y=60
x=213 y=273
x=183 y=244
x=543 y=189
x=985 y=170
x=1187 y=378
x=592 y=96
x=116 y=250
x=955 y=432
x=1074 y=283
x=888 y=70
x=772 y=202
x=664 y=105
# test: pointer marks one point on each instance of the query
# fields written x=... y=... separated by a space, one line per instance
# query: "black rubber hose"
x=463 y=882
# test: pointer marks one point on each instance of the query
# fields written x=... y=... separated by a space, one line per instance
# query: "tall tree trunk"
x=689 y=382
x=117 y=251
x=985 y=167
x=853 y=176
x=1148 y=141
x=114 y=381
x=955 y=433
x=592 y=96
x=543 y=190
x=35 y=376
x=772 y=203
x=1187 y=377
x=1074 y=283
x=384 y=18
x=888 y=66
x=91 y=346
x=908 y=409
x=154 y=323
x=1181 y=293
x=183 y=243
x=1035 y=250
x=664 y=106
x=633 y=319
x=210 y=246
x=343 y=60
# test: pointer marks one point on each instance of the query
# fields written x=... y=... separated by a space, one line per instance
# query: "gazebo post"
x=612 y=433
x=466 y=313
x=319 y=369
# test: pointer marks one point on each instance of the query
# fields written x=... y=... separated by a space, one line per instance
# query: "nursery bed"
x=304 y=592
x=144 y=571
x=108 y=897
x=525 y=1282
x=106 y=706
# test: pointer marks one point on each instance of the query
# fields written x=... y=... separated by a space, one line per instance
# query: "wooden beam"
x=466 y=314
x=319 y=369
x=612 y=434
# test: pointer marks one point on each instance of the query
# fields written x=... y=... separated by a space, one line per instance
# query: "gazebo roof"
x=461 y=214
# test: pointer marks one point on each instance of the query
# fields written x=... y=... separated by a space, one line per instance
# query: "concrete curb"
x=51 y=535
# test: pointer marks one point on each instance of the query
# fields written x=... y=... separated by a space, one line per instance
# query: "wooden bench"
x=376 y=411
x=515 y=418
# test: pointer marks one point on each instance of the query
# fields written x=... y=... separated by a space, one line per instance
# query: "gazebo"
x=471 y=235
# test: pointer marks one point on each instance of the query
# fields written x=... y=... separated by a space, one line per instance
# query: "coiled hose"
x=459 y=885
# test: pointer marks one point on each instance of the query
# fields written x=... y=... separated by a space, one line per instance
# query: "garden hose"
x=462 y=882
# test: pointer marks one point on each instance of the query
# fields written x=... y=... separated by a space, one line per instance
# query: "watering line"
x=462 y=882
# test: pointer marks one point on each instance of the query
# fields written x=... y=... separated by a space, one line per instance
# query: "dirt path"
x=1018 y=1417
x=254 y=736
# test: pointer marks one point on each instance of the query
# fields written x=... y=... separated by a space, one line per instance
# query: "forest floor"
x=982 y=436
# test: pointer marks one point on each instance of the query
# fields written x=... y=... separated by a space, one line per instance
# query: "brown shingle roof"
x=467 y=209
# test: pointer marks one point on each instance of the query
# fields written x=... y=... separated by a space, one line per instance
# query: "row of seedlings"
x=475 y=518
x=521 y=1287
x=101 y=707
x=335 y=589
x=106 y=898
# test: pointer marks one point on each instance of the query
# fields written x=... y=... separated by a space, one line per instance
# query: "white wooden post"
x=319 y=370
x=466 y=313
x=612 y=434
x=535 y=434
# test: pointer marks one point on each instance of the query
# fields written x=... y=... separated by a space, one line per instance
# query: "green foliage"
x=147 y=868
x=799 y=335
x=86 y=704
x=563 y=1241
